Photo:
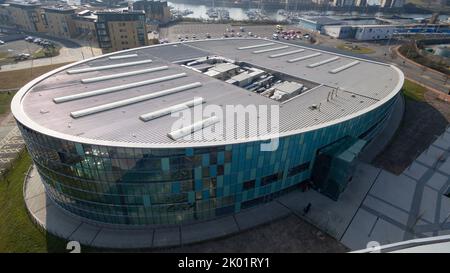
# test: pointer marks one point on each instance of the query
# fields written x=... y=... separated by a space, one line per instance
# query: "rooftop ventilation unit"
x=105 y=67
x=255 y=46
x=123 y=57
x=177 y=134
x=172 y=109
x=344 y=67
x=121 y=103
x=286 y=53
x=116 y=88
x=125 y=74
x=269 y=49
x=304 y=57
x=324 y=62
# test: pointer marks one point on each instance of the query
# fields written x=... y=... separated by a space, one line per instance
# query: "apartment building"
x=343 y=3
x=25 y=16
x=84 y=23
x=385 y=3
x=154 y=10
x=59 y=21
x=119 y=30
x=361 y=3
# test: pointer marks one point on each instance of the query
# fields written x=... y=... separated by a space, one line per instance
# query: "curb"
x=413 y=62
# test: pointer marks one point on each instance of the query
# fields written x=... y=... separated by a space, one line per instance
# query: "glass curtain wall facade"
x=133 y=186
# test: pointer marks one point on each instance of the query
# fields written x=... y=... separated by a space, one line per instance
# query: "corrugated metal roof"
x=359 y=88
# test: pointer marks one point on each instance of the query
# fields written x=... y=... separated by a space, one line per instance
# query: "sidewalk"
x=11 y=142
x=411 y=205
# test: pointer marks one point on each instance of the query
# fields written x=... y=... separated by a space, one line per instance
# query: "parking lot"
x=192 y=31
x=10 y=49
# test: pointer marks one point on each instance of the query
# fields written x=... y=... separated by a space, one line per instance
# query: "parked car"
x=2 y=42
x=29 y=39
x=275 y=36
x=37 y=41
x=22 y=56
x=208 y=36
x=47 y=44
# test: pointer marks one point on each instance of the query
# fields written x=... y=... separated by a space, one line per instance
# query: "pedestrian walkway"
x=412 y=205
x=11 y=143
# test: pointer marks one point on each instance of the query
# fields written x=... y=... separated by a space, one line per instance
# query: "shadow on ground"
x=287 y=235
x=422 y=123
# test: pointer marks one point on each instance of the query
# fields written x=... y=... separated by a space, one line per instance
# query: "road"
x=385 y=52
x=425 y=76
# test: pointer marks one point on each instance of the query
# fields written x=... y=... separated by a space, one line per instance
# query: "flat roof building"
x=143 y=137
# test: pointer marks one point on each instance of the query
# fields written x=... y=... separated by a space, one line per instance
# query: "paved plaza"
x=412 y=205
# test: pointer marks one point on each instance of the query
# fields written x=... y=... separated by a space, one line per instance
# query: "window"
x=271 y=178
x=220 y=170
x=247 y=185
x=298 y=169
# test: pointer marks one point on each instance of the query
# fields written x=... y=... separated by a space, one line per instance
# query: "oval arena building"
x=108 y=140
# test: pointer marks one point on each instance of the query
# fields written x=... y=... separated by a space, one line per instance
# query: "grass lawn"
x=413 y=91
x=5 y=101
x=17 y=231
x=46 y=52
x=355 y=48
x=18 y=78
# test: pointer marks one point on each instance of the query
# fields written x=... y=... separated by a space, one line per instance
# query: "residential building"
x=119 y=30
x=154 y=10
x=27 y=16
x=386 y=3
x=59 y=21
x=84 y=22
x=361 y=3
x=343 y=3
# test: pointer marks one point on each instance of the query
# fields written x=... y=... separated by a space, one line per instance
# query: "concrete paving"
x=411 y=205
x=11 y=142
x=65 y=55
